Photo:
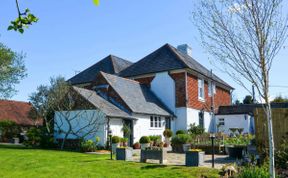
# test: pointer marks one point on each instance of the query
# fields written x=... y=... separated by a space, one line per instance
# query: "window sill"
x=201 y=99
x=156 y=128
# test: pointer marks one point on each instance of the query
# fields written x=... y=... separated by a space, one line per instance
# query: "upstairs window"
x=155 y=121
x=201 y=93
x=221 y=122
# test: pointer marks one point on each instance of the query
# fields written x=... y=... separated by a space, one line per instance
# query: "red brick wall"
x=222 y=97
x=180 y=88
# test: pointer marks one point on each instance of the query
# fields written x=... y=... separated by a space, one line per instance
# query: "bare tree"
x=75 y=116
x=244 y=36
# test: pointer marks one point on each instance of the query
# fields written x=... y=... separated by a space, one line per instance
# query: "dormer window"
x=201 y=93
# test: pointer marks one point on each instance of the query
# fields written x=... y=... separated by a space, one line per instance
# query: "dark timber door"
x=128 y=131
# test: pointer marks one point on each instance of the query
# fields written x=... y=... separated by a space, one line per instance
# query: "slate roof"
x=100 y=103
x=139 y=98
x=167 y=58
x=18 y=112
x=110 y=64
x=246 y=108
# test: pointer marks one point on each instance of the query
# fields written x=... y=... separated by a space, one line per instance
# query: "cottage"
x=165 y=89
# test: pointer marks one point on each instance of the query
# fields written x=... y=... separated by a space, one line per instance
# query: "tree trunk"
x=63 y=141
x=271 y=140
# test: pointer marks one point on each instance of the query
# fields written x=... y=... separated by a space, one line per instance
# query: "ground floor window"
x=155 y=121
x=168 y=123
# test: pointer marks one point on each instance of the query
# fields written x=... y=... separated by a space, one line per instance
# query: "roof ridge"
x=15 y=101
x=175 y=52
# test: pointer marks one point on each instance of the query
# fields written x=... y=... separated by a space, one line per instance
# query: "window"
x=221 y=122
x=155 y=122
x=201 y=89
x=201 y=119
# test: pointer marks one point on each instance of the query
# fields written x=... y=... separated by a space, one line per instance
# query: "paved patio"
x=179 y=159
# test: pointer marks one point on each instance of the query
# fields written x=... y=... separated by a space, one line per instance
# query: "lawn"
x=21 y=162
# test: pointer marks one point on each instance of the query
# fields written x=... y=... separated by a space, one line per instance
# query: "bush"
x=124 y=140
x=281 y=155
x=239 y=140
x=38 y=137
x=195 y=130
x=88 y=146
x=34 y=137
x=180 y=139
x=180 y=132
x=144 y=139
x=167 y=133
x=9 y=129
x=254 y=172
x=116 y=139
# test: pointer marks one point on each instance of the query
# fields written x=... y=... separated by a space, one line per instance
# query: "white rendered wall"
x=187 y=116
x=142 y=127
x=116 y=126
x=79 y=119
x=164 y=87
x=236 y=121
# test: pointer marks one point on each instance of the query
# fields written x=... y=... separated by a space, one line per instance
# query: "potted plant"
x=145 y=142
x=115 y=143
x=155 y=140
x=181 y=143
x=124 y=142
x=137 y=145
x=194 y=157
x=167 y=134
x=156 y=153
x=124 y=153
x=236 y=145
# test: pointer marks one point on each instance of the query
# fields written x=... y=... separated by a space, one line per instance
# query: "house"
x=240 y=116
x=165 y=89
x=18 y=112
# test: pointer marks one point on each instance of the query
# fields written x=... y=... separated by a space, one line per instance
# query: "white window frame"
x=201 y=86
x=155 y=122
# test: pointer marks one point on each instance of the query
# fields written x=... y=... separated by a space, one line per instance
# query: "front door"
x=128 y=131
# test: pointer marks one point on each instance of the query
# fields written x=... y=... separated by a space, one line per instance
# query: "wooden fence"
x=280 y=127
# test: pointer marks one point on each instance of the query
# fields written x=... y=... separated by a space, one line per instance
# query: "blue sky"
x=72 y=35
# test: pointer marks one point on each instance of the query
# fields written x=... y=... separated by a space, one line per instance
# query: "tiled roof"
x=110 y=64
x=100 y=103
x=139 y=98
x=18 y=112
x=164 y=59
x=246 y=108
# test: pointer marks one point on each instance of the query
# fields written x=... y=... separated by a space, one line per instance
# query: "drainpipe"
x=186 y=90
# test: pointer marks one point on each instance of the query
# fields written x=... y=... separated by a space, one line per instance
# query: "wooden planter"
x=235 y=151
x=194 y=158
x=124 y=154
x=153 y=154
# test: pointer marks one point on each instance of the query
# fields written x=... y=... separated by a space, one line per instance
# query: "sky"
x=73 y=35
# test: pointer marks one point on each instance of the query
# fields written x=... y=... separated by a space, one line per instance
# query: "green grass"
x=20 y=162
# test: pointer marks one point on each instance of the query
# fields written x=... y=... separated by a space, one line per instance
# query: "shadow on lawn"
x=156 y=166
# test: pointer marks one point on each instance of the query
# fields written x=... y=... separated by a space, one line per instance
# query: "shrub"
x=9 y=129
x=239 y=140
x=180 y=132
x=281 y=155
x=254 y=172
x=180 y=139
x=34 y=137
x=124 y=140
x=167 y=133
x=88 y=146
x=195 y=130
x=116 y=139
x=144 y=139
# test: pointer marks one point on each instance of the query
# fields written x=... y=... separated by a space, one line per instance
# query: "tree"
x=244 y=36
x=280 y=99
x=61 y=99
x=248 y=99
x=26 y=18
x=12 y=70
